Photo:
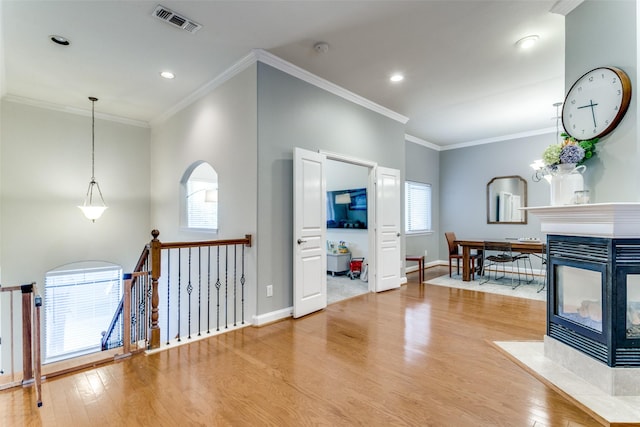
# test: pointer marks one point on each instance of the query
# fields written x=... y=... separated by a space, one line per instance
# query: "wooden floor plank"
x=419 y=355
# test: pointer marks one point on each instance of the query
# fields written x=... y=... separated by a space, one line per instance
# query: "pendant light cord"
x=93 y=137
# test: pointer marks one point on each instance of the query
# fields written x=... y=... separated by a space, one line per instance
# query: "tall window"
x=201 y=197
x=417 y=207
x=80 y=300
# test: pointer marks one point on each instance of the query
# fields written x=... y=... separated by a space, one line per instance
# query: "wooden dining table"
x=524 y=247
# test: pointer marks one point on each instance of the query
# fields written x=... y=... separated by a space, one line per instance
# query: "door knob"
x=398 y=235
x=300 y=241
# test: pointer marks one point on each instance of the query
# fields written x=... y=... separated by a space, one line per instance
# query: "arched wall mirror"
x=505 y=196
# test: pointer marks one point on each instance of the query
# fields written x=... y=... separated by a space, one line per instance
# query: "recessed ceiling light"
x=60 y=40
x=167 y=75
x=527 y=42
x=397 y=77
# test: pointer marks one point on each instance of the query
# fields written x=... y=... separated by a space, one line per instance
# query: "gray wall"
x=422 y=164
x=293 y=113
x=219 y=128
x=464 y=175
x=598 y=34
x=45 y=169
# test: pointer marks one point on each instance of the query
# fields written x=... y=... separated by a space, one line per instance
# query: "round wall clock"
x=596 y=103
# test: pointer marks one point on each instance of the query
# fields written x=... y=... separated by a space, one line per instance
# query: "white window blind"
x=202 y=204
x=417 y=207
x=78 y=306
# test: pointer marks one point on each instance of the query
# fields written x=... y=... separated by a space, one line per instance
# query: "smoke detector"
x=321 y=47
x=170 y=17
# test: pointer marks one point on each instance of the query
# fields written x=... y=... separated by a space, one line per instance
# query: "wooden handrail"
x=226 y=242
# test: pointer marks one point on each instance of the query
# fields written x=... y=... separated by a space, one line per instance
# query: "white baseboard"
x=274 y=316
x=403 y=280
x=435 y=263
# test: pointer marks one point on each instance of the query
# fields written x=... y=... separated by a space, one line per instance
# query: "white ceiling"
x=465 y=79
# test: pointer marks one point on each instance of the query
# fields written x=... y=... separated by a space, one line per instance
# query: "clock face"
x=596 y=103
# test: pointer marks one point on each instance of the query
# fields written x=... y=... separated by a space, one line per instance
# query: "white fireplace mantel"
x=613 y=220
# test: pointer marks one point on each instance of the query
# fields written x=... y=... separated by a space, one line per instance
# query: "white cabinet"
x=338 y=263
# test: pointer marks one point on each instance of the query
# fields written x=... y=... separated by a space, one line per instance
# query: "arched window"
x=200 y=197
x=80 y=300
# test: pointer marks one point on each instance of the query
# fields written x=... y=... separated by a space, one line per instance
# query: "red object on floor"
x=355 y=267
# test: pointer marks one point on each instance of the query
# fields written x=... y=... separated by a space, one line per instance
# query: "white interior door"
x=309 y=234
x=387 y=229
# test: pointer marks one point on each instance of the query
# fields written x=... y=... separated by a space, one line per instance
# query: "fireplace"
x=593 y=302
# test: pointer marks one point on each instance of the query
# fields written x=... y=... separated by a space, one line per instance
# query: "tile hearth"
x=606 y=408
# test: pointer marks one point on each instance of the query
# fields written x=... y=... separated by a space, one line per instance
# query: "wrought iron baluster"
x=189 y=289
x=226 y=287
x=242 y=280
x=179 y=289
x=218 y=284
x=168 y=293
x=209 y=290
x=135 y=297
x=199 y=290
x=235 y=301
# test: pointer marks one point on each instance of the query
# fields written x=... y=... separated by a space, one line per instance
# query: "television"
x=347 y=208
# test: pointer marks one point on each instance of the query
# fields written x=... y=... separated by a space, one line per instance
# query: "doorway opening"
x=349 y=202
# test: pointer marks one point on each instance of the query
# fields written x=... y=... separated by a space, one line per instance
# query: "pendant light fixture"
x=93 y=209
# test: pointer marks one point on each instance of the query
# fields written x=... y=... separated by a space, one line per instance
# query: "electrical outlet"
x=270 y=290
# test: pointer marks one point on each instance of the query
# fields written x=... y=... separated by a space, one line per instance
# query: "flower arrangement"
x=570 y=151
x=563 y=157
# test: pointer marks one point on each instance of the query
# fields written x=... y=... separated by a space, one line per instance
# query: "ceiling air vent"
x=169 y=16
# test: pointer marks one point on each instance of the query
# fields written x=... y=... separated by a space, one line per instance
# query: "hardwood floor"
x=418 y=356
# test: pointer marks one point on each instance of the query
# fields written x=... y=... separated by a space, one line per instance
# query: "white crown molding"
x=500 y=138
x=73 y=110
x=304 y=75
x=564 y=7
x=230 y=72
x=280 y=64
x=417 y=140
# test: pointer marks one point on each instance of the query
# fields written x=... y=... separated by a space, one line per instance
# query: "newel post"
x=156 y=247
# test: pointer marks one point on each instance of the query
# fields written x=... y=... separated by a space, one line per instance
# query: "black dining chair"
x=498 y=255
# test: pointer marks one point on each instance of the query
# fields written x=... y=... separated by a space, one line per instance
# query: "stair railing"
x=190 y=268
x=206 y=269
x=131 y=314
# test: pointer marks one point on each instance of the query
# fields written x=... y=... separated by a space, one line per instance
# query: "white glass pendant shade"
x=93 y=209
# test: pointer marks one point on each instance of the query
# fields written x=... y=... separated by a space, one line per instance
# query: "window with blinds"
x=202 y=208
x=201 y=201
x=79 y=302
x=417 y=207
